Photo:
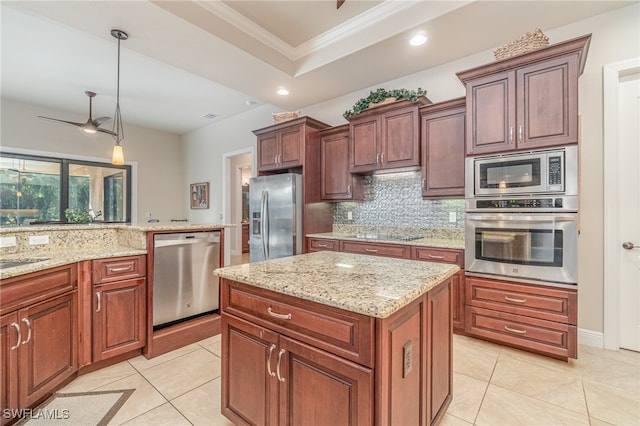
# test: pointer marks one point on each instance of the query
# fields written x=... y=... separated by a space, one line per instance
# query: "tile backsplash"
x=395 y=199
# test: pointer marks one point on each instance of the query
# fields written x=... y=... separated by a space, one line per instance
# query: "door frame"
x=611 y=298
x=227 y=172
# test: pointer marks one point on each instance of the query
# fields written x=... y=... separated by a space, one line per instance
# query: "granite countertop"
x=436 y=242
x=52 y=259
x=144 y=227
x=369 y=285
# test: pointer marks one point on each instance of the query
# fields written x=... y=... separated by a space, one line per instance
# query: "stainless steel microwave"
x=550 y=171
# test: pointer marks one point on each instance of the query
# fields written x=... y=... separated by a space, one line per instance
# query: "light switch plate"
x=452 y=217
x=349 y=215
x=407 y=358
x=38 y=239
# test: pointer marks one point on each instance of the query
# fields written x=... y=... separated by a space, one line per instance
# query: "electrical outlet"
x=407 y=358
x=350 y=215
x=38 y=239
x=8 y=242
x=452 y=217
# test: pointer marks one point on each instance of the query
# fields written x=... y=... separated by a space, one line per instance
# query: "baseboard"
x=591 y=338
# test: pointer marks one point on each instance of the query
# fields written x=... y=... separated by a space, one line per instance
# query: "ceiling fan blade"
x=109 y=132
x=98 y=121
x=63 y=121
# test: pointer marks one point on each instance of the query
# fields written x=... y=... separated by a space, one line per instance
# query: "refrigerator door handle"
x=263 y=225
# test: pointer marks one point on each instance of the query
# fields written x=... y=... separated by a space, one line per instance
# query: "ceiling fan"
x=92 y=125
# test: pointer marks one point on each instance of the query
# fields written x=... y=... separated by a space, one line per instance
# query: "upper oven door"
x=510 y=174
x=523 y=246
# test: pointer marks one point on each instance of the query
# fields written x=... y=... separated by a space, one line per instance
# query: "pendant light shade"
x=117 y=157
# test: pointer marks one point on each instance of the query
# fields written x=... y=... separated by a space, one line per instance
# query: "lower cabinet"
x=288 y=361
x=119 y=318
x=529 y=316
x=376 y=249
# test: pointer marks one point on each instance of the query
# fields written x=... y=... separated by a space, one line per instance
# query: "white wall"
x=616 y=36
x=155 y=156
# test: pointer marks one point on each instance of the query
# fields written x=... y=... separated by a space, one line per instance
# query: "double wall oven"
x=522 y=216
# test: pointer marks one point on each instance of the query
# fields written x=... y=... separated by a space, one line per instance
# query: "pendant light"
x=117 y=157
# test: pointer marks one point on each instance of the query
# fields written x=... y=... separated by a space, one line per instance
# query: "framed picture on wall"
x=199 y=195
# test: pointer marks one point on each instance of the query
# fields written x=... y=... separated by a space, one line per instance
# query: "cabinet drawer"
x=120 y=268
x=343 y=333
x=530 y=333
x=438 y=255
x=387 y=250
x=320 y=244
x=27 y=289
x=552 y=304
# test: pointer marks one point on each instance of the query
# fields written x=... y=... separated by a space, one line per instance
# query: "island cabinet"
x=386 y=137
x=292 y=361
x=38 y=336
x=337 y=181
x=455 y=257
x=282 y=146
x=525 y=102
x=443 y=149
x=533 y=317
x=119 y=306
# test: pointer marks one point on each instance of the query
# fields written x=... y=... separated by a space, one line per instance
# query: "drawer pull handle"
x=435 y=257
x=126 y=268
x=369 y=250
x=278 y=366
x=511 y=299
x=17 y=327
x=26 y=321
x=277 y=315
x=513 y=330
x=271 y=373
x=323 y=245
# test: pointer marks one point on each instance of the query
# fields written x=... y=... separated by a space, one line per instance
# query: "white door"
x=629 y=209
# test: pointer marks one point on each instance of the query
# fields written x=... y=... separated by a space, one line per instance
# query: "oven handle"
x=524 y=218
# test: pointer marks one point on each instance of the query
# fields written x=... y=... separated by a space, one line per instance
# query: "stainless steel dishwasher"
x=183 y=282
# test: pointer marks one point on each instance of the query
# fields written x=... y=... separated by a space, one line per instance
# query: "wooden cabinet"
x=385 y=137
x=443 y=149
x=322 y=244
x=282 y=146
x=245 y=238
x=119 y=306
x=376 y=249
x=526 y=102
x=454 y=256
x=290 y=361
x=337 y=182
x=38 y=335
x=533 y=317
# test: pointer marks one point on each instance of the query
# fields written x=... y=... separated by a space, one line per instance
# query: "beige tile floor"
x=493 y=385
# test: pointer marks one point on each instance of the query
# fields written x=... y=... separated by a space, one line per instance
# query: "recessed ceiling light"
x=283 y=92
x=418 y=39
x=251 y=102
x=209 y=116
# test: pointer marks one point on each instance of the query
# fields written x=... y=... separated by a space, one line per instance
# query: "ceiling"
x=185 y=59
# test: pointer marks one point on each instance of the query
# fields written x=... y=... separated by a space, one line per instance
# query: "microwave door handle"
x=524 y=218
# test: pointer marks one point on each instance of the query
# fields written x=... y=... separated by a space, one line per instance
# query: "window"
x=40 y=189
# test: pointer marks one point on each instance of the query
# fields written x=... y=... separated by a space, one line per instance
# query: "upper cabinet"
x=386 y=137
x=337 y=182
x=525 y=102
x=443 y=149
x=282 y=146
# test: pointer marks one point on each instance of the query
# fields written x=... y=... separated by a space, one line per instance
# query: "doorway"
x=238 y=167
x=622 y=196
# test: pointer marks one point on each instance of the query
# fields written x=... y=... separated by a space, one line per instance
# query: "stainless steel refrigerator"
x=275 y=208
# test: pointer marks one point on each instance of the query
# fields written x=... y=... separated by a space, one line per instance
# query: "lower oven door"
x=521 y=246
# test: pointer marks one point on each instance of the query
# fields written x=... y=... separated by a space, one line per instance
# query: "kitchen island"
x=336 y=338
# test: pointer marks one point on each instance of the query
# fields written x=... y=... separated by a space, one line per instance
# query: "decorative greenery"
x=380 y=95
x=81 y=216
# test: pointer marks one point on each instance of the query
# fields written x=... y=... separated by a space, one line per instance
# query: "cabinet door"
x=443 y=153
x=458 y=301
x=491 y=113
x=336 y=181
x=548 y=103
x=364 y=135
x=291 y=147
x=400 y=140
x=119 y=318
x=48 y=353
x=9 y=341
x=317 y=388
x=268 y=151
x=250 y=359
